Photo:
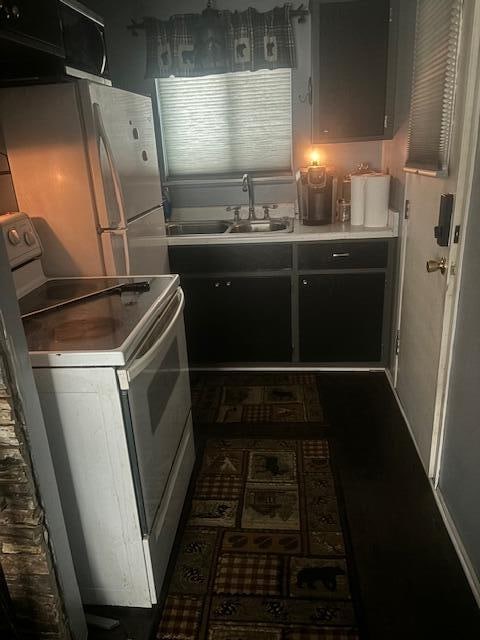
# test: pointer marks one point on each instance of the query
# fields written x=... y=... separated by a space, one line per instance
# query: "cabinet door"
x=32 y=19
x=341 y=317
x=239 y=319
x=204 y=324
x=258 y=311
x=350 y=49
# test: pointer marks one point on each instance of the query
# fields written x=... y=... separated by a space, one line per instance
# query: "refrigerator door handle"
x=126 y=252
x=108 y=239
x=103 y=138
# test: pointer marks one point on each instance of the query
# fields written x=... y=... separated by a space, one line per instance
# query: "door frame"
x=467 y=148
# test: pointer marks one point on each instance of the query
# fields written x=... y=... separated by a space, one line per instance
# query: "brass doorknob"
x=437 y=265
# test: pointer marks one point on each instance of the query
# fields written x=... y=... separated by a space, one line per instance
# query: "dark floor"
x=410 y=581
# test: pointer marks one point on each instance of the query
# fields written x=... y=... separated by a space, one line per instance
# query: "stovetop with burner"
x=79 y=321
x=91 y=315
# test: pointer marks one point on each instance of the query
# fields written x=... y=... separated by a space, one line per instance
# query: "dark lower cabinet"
x=245 y=317
x=341 y=317
x=239 y=319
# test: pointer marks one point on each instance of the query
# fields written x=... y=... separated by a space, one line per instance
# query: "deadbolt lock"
x=437 y=265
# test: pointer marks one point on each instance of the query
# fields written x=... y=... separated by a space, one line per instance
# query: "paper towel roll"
x=357 y=212
x=377 y=190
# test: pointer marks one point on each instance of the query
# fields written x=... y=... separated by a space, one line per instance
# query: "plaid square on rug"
x=249 y=575
x=218 y=487
x=180 y=619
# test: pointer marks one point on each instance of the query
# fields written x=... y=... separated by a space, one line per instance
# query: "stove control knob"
x=29 y=238
x=13 y=237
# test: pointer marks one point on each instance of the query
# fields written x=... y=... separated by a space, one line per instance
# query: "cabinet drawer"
x=343 y=255
x=230 y=258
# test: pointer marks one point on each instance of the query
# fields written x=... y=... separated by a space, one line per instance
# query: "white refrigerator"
x=84 y=163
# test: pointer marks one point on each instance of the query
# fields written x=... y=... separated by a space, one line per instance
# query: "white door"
x=422 y=310
x=428 y=299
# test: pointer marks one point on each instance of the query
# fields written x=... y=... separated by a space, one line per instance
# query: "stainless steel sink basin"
x=263 y=226
x=194 y=228
x=219 y=227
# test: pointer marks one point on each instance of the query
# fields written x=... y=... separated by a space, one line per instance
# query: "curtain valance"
x=219 y=42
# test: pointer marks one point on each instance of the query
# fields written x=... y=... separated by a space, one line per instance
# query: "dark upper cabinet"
x=341 y=317
x=353 y=54
x=32 y=22
x=31 y=42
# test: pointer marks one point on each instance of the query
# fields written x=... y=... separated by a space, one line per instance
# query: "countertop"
x=300 y=233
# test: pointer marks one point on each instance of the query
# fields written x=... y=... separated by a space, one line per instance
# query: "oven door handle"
x=139 y=364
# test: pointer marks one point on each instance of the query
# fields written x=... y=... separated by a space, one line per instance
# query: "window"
x=227 y=124
x=433 y=91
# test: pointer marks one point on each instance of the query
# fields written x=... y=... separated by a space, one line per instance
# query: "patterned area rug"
x=263 y=555
x=255 y=397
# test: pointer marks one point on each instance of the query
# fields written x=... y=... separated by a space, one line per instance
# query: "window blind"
x=226 y=123
x=433 y=89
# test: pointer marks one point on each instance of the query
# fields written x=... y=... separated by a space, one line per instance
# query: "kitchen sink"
x=193 y=228
x=263 y=226
x=218 y=227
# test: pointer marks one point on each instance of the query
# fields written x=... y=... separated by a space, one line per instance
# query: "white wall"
x=460 y=470
x=394 y=151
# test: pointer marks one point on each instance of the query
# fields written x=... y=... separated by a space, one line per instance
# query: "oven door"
x=156 y=400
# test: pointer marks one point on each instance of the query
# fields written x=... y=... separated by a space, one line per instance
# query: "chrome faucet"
x=247 y=185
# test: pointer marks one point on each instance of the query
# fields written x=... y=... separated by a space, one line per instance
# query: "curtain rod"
x=301 y=13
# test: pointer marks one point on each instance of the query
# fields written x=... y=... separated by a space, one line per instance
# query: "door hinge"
x=406 y=210
x=453 y=269
x=456 y=234
x=385 y=122
x=123 y=379
x=390 y=14
x=397 y=343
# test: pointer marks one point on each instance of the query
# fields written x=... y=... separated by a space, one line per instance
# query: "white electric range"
x=110 y=364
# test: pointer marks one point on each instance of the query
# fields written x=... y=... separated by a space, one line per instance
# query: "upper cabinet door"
x=32 y=20
x=352 y=70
